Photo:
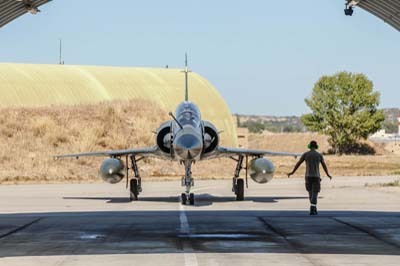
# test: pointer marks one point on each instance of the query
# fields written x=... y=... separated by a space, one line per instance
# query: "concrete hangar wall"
x=31 y=85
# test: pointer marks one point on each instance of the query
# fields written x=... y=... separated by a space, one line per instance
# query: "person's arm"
x=296 y=166
x=325 y=168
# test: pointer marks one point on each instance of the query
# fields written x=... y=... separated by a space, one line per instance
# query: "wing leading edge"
x=227 y=152
x=147 y=152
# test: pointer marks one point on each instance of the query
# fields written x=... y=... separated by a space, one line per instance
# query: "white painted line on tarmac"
x=185 y=229
x=190 y=257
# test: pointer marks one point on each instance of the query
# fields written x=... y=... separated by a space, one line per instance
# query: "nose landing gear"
x=188 y=182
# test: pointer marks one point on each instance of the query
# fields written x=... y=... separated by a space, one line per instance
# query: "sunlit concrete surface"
x=95 y=224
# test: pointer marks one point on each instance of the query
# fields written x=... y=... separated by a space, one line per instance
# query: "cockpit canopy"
x=187 y=113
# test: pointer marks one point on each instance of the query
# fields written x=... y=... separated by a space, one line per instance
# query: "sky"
x=262 y=56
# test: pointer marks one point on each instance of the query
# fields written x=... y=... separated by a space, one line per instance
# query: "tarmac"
x=95 y=224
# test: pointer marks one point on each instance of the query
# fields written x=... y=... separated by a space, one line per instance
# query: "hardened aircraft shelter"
x=34 y=85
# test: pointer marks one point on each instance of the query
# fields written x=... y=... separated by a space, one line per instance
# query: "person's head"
x=313 y=145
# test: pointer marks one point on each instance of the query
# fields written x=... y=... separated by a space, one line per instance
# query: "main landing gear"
x=188 y=182
x=237 y=182
x=135 y=184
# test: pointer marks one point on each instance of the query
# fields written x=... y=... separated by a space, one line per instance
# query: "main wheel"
x=191 y=199
x=183 y=198
x=240 y=190
x=134 y=189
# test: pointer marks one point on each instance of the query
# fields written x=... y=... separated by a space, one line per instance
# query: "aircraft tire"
x=183 y=198
x=240 y=190
x=134 y=189
x=191 y=199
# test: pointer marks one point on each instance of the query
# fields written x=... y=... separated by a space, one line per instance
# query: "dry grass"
x=290 y=142
x=348 y=165
x=378 y=165
x=297 y=142
x=392 y=184
x=395 y=183
x=29 y=137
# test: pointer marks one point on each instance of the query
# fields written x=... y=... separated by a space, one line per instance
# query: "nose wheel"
x=187 y=199
x=188 y=182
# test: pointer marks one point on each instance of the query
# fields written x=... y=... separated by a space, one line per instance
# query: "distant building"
x=381 y=135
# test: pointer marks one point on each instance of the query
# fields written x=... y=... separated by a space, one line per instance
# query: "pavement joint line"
x=188 y=252
x=292 y=245
x=20 y=228
x=366 y=231
x=201 y=188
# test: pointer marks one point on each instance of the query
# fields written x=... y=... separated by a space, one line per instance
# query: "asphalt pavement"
x=95 y=224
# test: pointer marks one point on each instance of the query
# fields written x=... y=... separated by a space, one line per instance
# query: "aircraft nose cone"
x=188 y=146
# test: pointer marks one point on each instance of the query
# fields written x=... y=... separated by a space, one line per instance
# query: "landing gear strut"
x=188 y=182
x=135 y=184
x=237 y=182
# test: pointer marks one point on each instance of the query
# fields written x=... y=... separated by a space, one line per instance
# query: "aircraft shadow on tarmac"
x=201 y=199
x=207 y=231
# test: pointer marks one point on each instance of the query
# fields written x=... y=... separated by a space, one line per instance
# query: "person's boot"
x=313 y=210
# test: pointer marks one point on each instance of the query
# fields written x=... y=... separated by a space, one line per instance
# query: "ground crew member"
x=313 y=177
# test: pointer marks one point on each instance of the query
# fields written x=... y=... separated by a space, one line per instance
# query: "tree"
x=237 y=120
x=254 y=126
x=344 y=107
x=291 y=128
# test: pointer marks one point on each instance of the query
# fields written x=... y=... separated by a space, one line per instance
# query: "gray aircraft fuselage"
x=187 y=132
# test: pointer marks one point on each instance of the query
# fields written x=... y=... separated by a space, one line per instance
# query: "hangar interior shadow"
x=211 y=231
x=201 y=199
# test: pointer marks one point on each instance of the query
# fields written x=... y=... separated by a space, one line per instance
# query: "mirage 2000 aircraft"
x=187 y=139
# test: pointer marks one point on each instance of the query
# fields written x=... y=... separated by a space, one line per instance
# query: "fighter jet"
x=186 y=138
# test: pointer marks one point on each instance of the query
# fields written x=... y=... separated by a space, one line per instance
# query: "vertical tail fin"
x=186 y=79
x=60 y=60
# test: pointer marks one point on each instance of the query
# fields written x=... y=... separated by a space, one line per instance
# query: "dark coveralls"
x=313 y=177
